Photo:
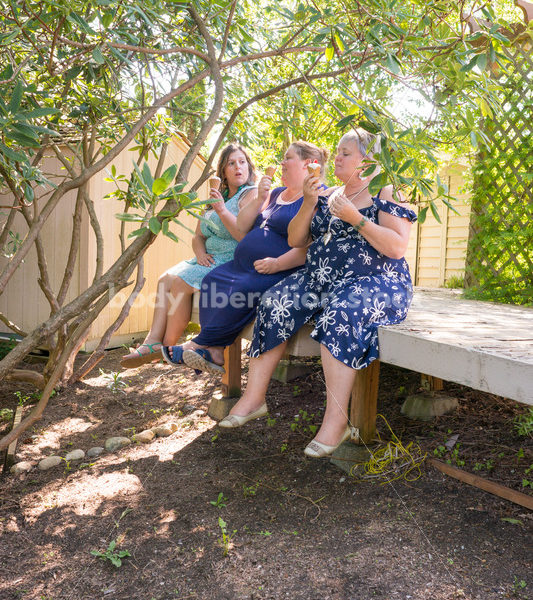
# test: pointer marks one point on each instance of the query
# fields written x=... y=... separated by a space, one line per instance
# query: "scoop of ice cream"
x=270 y=171
x=314 y=169
x=214 y=182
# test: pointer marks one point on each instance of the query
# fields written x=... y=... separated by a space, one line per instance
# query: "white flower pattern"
x=353 y=289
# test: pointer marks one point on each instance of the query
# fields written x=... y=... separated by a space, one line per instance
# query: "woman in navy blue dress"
x=354 y=280
x=231 y=293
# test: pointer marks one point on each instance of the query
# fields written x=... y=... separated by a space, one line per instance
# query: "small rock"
x=21 y=467
x=115 y=443
x=75 y=455
x=164 y=430
x=198 y=413
x=145 y=436
x=49 y=462
x=187 y=408
x=94 y=452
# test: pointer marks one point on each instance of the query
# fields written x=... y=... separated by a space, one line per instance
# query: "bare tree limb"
x=98 y=353
x=13 y=326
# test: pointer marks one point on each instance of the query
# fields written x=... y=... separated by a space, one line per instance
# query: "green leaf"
x=159 y=186
x=473 y=139
x=169 y=174
x=43 y=111
x=12 y=154
x=137 y=232
x=393 y=64
x=339 y=42
x=82 y=23
x=406 y=165
x=147 y=176
x=377 y=183
x=106 y=19
x=23 y=140
x=129 y=217
x=28 y=192
x=370 y=127
x=98 y=57
x=16 y=98
x=481 y=61
x=422 y=215
x=434 y=211
x=345 y=121
x=154 y=225
x=512 y=521
x=172 y=236
x=330 y=53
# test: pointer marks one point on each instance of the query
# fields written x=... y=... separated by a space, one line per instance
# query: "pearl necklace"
x=327 y=236
x=278 y=206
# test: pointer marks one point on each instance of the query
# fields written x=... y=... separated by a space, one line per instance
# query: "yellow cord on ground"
x=391 y=461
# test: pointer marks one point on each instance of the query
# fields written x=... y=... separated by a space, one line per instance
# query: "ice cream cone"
x=314 y=169
x=214 y=182
x=270 y=171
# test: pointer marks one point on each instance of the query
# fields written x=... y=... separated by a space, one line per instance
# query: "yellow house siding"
x=24 y=303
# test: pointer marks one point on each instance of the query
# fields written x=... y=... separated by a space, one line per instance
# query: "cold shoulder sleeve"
x=396 y=210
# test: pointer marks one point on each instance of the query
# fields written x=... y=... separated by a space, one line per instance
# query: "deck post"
x=363 y=404
x=231 y=380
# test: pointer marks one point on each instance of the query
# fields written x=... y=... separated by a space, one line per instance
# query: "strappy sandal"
x=173 y=355
x=201 y=359
x=129 y=362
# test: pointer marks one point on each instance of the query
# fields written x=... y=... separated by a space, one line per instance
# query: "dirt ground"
x=209 y=514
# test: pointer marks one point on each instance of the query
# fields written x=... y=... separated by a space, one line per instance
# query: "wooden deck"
x=482 y=345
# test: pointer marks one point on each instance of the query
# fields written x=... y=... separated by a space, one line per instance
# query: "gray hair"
x=367 y=143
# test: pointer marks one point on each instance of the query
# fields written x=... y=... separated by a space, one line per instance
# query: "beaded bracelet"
x=361 y=224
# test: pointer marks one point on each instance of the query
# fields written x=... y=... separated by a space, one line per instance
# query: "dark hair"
x=306 y=150
x=223 y=161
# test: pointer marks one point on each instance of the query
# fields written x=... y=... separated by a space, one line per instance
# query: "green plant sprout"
x=220 y=501
x=115 y=558
x=114 y=381
x=225 y=540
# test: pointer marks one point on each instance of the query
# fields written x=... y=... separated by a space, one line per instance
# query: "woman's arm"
x=299 y=234
x=198 y=246
x=390 y=236
x=292 y=258
x=229 y=220
x=249 y=211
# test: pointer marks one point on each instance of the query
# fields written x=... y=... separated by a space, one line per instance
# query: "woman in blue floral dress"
x=354 y=280
x=214 y=243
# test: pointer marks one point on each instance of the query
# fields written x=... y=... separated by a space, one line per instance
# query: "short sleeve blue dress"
x=218 y=242
x=346 y=286
x=230 y=293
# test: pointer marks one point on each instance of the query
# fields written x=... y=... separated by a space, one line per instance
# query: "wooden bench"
x=482 y=345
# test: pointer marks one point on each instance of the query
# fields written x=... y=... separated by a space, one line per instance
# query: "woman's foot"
x=234 y=420
x=216 y=352
x=145 y=353
x=318 y=449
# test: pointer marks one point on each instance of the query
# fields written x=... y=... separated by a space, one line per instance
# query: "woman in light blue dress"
x=213 y=244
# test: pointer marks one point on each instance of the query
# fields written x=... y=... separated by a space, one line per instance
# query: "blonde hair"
x=367 y=143
x=306 y=150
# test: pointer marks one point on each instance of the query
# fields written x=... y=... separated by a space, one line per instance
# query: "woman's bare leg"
x=178 y=312
x=259 y=375
x=339 y=382
x=172 y=312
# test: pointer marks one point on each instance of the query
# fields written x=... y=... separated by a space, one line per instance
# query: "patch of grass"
x=523 y=424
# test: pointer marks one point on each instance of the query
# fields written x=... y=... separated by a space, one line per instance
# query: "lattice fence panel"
x=500 y=246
